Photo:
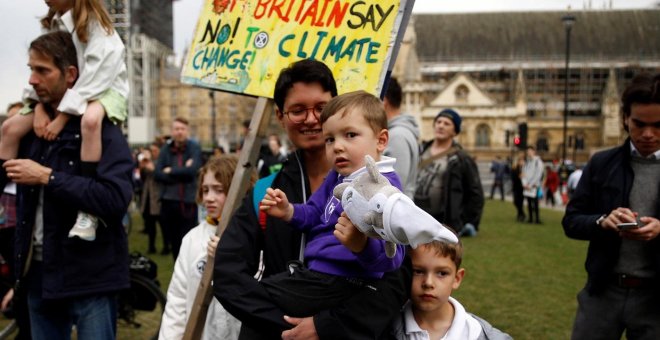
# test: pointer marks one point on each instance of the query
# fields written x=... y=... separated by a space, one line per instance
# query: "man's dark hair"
x=393 y=93
x=306 y=71
x=644 y=89
x=57 y=45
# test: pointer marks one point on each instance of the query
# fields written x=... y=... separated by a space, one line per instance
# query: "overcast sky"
x=18 y=26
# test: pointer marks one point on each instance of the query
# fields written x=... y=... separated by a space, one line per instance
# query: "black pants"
x=497 y=184
x=533 y=209
x=550 y=197
x=301 y=292
x=375 y=304
x=150 y=228
x=518 y=201
x=176 y=219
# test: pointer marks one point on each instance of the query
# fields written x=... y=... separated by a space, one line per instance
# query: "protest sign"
x=241 y=45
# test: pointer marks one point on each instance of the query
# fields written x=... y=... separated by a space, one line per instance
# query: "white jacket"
x=532 y=176
x=187 y=274
x=101 y=65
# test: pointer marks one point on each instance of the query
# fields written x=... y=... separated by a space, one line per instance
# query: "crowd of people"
x=291 y=263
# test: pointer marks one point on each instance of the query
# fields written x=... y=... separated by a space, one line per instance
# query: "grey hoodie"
x=403 y=146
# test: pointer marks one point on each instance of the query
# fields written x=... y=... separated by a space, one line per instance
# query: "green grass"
x=522 y=278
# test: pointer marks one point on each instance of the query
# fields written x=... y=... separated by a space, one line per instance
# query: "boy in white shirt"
x=431 y=312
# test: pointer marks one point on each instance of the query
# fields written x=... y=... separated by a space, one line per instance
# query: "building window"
x=483 y=136
x=461 y=93
x=194 y=131
x=543 y=142
x=173 y=111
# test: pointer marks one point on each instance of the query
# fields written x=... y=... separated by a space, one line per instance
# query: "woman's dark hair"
x=306 y=71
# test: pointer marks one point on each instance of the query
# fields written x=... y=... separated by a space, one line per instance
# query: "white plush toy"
x=380 y=210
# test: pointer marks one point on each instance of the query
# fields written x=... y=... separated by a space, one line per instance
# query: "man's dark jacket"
x=604 y=186
x=462 y=194
x=73 y=267
x=180 y=184
x=237 y=260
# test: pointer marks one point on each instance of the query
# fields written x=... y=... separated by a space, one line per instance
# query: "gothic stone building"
x=501 y=69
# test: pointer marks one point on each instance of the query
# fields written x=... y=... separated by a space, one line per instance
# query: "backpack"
x=139 y=296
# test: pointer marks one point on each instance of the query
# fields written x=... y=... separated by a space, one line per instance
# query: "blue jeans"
x=95 y=316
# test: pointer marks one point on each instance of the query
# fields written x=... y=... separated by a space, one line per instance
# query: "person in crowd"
x=404 y=136
x=305 y=86
x=550 y=184
x=101 y=90
x=18 y=303
x=341 y=259
x=218 y=151
x=8 y=206
x=532 y=180
x=213 y=185
x=622 y=185
x=65 y=278
x=448 y=184
x=517 y=186
x=500 y=170
x=150 y=196
x=176 y=171
x=573 y=180
x=245 y=128
x=271 y=161
x=431 y=312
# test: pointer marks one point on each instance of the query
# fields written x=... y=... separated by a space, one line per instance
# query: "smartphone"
x=627 y=225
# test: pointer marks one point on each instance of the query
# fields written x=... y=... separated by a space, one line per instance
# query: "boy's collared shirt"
x=463 y=326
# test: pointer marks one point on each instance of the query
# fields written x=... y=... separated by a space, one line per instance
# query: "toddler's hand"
x=276 y=204
x=349 y=235
x=41 y=120
x=55 y=127
x=212 y=246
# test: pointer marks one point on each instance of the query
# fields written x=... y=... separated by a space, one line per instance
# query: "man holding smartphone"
x=616 y=208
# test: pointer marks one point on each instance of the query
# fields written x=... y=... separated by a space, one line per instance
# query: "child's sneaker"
x=85 y=227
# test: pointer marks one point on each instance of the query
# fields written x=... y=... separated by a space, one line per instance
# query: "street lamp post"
x=568 y=21
x=214 y=140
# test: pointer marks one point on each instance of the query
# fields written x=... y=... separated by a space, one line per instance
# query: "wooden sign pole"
x=246 y=165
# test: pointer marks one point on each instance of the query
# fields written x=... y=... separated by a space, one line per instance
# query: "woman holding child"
x=301 y=92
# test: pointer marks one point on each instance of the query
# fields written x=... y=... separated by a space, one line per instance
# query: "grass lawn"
x=522 y=278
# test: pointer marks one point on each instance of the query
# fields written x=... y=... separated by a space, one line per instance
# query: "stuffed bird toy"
x=380 y=210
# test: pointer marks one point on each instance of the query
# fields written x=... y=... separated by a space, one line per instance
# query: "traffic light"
x=522 y=135
x=516 y=141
